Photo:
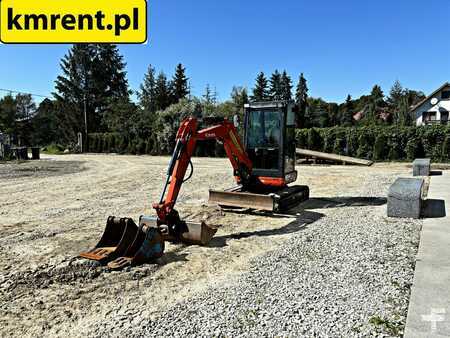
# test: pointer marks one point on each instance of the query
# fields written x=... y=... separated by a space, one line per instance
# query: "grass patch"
x=53 y=149
x=390 y=327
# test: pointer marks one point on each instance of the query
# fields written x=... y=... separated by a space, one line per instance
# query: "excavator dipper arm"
x=186 y=141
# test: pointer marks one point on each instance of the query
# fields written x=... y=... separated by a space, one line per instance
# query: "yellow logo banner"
x=73 y=21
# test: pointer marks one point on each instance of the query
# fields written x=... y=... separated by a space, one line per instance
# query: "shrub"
x=122 y=145
x=132 y=147
x=446 y=149
x=379 y=148
x=393 y=148
x=365 y=146
x=401 y=143
x=378 y=142
x=352 y=142
x=53 y=149
x=314 y=139
x=100 y=143
x=149 y=146
x=302 y=138
x=140 y=147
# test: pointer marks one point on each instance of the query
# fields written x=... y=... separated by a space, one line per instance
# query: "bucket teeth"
x=124 y=244
x=147 y=246
x=118 y=234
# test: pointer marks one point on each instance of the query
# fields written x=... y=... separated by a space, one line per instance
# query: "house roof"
x=446 y=84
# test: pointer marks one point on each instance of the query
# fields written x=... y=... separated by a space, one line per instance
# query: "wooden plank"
x=333 y=157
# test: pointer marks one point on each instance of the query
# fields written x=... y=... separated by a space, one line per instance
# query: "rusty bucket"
x=116 y=238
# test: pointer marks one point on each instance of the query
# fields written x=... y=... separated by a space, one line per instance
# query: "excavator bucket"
x=189 y=232
x=118 y=234
x=124 y=244
x=146 y=246
x=198 y=233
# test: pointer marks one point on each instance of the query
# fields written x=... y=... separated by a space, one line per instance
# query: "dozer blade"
x=240 y=199
x=276 y=201
x=118 y=235
x=147 y=246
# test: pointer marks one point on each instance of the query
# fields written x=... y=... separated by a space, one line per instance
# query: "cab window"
x=264 y=129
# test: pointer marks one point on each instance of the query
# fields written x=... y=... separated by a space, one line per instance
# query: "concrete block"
x=421 y=167
x=405 y=198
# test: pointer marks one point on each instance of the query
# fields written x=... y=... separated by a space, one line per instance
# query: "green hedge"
x=375 y=143
x=117 y=143
x=380 y=143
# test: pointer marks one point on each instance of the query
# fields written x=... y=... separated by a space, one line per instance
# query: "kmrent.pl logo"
x=73 y=21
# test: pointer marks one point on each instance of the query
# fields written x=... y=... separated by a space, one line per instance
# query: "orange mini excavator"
x=263 y=167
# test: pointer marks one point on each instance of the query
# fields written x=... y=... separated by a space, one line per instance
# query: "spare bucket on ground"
x=146 y=246
x=123 y=243
x=118 y=234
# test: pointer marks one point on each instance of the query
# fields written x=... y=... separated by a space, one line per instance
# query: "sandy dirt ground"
x=51 y=210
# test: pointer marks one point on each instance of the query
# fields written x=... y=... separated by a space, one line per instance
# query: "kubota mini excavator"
x=263 y=167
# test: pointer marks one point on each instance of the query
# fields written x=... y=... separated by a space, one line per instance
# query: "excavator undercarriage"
x=279 y=200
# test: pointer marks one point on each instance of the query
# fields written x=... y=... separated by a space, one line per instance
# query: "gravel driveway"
x=334 y=267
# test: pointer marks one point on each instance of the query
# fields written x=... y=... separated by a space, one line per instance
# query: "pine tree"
x=45 y=126
x=286 y=87
x=399 y=102
x=301 y=99
x=110 y=81
x=239 y=97
x=207 y=96
x=395 y=95
x=25 y=110
x=333 y=114
x=110 y=72
x=276 y=90
x=74 y=88
x=209 y=100
x=375 y=102
x=148 y=91
x=404 y=114
x=8 y=114
x=377 y=96
x=93 y=76
x=322 y=118
x=260 y=92
x=162 y=92
x=179 y=84
x=349 y=111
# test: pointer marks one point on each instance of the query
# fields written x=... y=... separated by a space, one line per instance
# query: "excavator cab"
x=269 y=141
x=269 y=138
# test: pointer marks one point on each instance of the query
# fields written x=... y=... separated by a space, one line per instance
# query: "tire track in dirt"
x=47 y=221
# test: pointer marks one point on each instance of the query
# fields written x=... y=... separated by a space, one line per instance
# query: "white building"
x=435 y=108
